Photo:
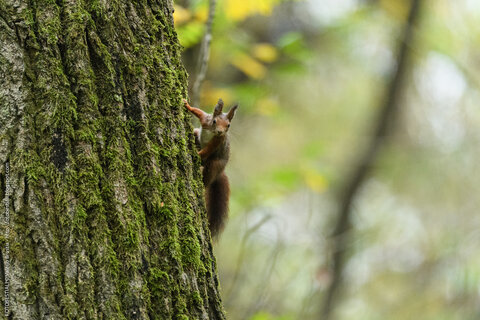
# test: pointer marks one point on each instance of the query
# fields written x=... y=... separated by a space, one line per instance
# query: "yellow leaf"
x=314 y=180
x=240 y=9
x=249 y=66
x=210 y=95
x=265 y=52
x=180 y=15
x=202 y=14
x=267 y=106
x=396 y=8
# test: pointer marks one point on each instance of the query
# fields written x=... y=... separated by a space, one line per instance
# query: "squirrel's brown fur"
x=212 y=140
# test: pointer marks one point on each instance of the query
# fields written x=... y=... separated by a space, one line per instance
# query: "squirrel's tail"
x=217 y=195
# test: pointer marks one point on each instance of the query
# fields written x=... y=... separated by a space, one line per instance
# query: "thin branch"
x=241 y=255
x=204 y=55
x=258 y=302
x=388 y=111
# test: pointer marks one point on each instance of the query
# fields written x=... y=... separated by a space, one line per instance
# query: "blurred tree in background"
x=309 y=76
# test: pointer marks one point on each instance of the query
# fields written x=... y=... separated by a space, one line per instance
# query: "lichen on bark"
x=107 y=213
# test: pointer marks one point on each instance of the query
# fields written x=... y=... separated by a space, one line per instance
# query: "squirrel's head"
x=220 y=122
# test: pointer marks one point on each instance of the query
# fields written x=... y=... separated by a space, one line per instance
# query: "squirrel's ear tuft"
x=218 y=108
x=232 y=111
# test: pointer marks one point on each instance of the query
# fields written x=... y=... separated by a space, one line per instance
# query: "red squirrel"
x=214 y=150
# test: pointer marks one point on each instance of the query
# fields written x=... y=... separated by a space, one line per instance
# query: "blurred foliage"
x=308 y=76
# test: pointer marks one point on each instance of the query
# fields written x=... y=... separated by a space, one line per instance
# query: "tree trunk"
x=103 y=214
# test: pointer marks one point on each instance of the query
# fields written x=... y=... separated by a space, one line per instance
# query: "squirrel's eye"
x=214 y=121
x=229 y=125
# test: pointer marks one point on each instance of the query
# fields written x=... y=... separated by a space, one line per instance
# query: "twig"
x=384 y=124
x=257 y=302
x=204 y=55
x=242 y=252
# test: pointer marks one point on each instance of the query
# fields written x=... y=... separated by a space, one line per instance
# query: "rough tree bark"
x=106 y=205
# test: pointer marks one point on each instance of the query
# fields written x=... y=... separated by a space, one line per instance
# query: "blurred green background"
x=309 y=77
